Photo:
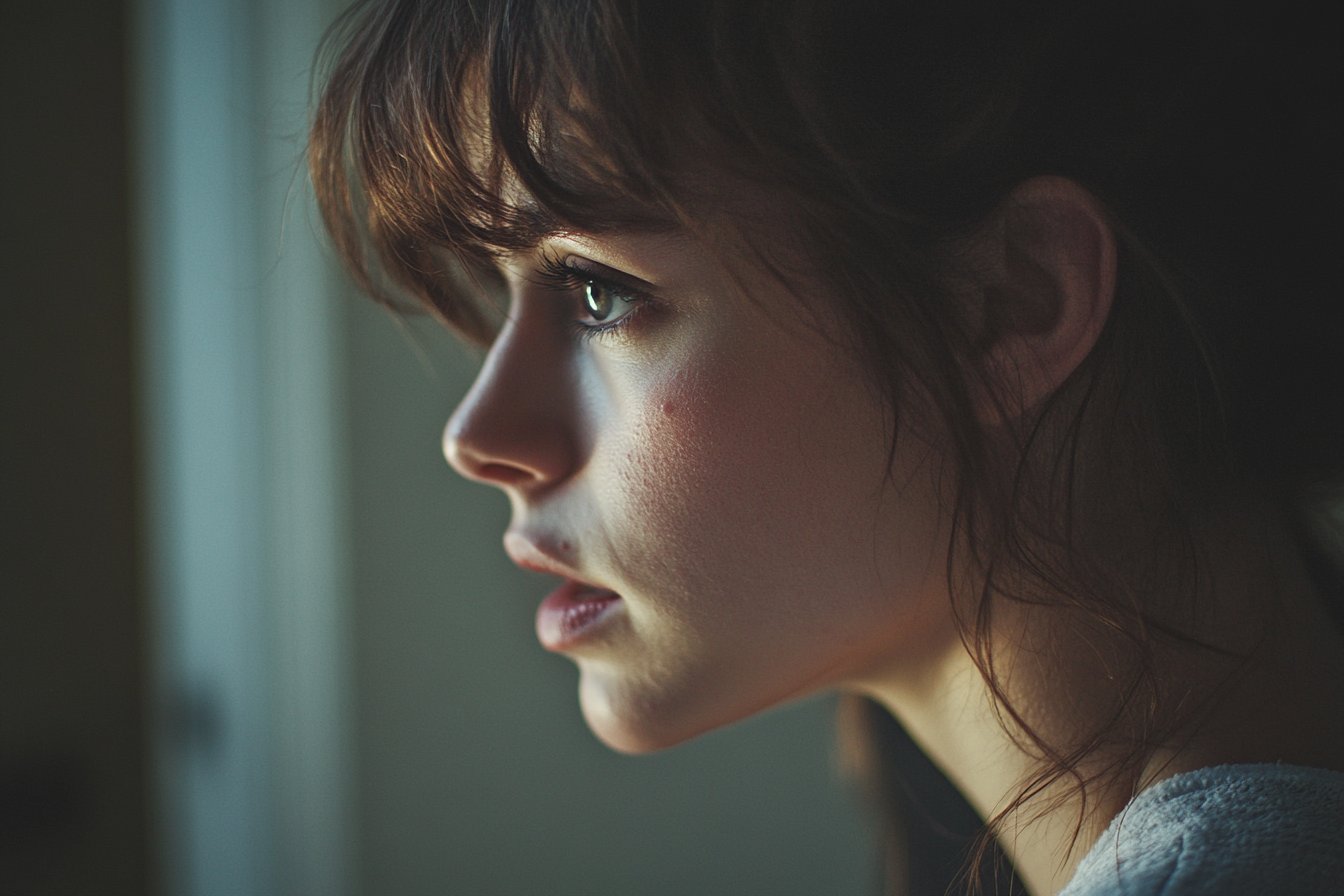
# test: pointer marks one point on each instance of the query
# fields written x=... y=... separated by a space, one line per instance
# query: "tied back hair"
x=449 y=133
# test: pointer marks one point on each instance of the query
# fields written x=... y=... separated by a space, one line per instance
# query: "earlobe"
x=1046 y=293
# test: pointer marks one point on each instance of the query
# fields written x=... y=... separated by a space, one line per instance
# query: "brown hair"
x=449 y=132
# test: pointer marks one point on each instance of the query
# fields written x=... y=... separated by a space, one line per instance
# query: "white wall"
x=244 y=470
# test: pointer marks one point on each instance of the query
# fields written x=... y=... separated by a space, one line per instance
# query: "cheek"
x=699 y=471
x=747 y=517
x=748 y=496
x=663 y=493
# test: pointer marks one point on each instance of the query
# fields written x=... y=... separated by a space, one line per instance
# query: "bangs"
x=450 y=134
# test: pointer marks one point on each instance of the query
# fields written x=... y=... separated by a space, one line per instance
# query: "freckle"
x=566 y=547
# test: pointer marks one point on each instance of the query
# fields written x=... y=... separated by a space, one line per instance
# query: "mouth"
x=571 y=613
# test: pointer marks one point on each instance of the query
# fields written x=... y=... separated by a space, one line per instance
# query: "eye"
x=602 y=302
x=599 y=299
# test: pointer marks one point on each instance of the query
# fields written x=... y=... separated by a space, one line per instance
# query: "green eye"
x=599 y=300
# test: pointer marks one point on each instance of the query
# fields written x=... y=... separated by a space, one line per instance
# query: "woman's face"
x=707 y=469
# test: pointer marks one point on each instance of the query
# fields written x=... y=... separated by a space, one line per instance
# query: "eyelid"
x=626 y=284
x=573 y=273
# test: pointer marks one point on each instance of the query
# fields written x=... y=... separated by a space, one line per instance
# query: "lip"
x=528 y=554
x=571 y=613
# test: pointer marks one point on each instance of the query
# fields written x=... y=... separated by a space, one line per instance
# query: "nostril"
x=495 y=438
x=503 y=474
x=503 y=462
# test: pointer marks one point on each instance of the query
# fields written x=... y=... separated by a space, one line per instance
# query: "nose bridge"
x=514 y=426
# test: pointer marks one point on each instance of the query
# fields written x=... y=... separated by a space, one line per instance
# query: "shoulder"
x=1231 y=830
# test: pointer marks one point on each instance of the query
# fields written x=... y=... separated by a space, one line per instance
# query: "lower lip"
x=571 y=612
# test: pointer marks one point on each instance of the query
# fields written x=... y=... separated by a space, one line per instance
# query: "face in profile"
x=709 y=471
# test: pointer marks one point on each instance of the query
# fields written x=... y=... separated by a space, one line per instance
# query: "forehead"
x=531 y=173
x=505 y=217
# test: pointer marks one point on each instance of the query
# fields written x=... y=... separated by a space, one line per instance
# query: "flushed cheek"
x=736 y=541
x=693 y=476
x=655 y=484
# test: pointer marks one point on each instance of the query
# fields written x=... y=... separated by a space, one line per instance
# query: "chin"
x=634 y=723
x=634 y=714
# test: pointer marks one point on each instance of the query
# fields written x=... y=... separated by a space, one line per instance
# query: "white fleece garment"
x=1234 y=830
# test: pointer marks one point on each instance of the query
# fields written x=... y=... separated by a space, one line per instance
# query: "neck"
x=1275 y=700
x=951 y=714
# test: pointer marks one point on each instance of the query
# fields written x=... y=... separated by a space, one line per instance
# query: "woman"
x=971 y=359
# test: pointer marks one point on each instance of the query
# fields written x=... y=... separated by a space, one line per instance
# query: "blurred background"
x=255 y=637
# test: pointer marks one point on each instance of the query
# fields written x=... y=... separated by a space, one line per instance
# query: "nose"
x=514 y=429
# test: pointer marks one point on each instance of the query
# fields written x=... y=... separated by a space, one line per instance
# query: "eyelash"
x=557 y=274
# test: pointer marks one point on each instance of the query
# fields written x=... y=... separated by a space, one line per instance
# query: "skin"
x=720 y=462
x=649 y=460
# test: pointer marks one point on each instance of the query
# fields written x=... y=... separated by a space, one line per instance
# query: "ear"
x=1046 y=290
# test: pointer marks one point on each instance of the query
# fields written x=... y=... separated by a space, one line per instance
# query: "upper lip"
x=529 y=554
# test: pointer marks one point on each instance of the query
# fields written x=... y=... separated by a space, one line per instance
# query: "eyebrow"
x=620 y=214
x=529 y=224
